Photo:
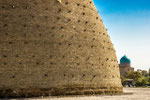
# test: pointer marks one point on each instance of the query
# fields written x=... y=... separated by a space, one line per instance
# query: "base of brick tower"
x=57 y=91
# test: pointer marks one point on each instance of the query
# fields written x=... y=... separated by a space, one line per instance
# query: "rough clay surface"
x=53 y=47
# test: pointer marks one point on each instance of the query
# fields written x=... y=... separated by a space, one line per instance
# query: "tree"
x=122 y=78
x=134 y=75
x=138 y=78
x=142 y=81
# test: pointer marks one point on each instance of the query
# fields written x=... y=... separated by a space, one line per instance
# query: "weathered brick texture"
x=48 y=47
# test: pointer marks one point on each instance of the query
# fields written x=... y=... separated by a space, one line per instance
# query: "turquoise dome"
x=124 y=59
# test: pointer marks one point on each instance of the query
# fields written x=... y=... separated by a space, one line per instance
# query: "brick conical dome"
x=55 y=47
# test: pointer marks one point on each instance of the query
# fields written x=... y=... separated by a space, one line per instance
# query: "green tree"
x=142 y=81
x=122 y=78
x=149 y=80
x=138 y=78
x=134 y=75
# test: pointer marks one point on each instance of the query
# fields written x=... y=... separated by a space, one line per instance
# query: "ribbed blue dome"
x=124 y=59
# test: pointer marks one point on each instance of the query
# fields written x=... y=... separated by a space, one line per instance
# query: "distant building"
x=139 y=70
x=143 y=72
x=125 y=65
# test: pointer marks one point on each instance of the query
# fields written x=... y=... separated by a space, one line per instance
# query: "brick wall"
x=48 y=44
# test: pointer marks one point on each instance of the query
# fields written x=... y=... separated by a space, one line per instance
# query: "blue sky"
x=128 y=24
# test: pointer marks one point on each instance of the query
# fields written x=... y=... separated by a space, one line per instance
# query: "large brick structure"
x=55 y=47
